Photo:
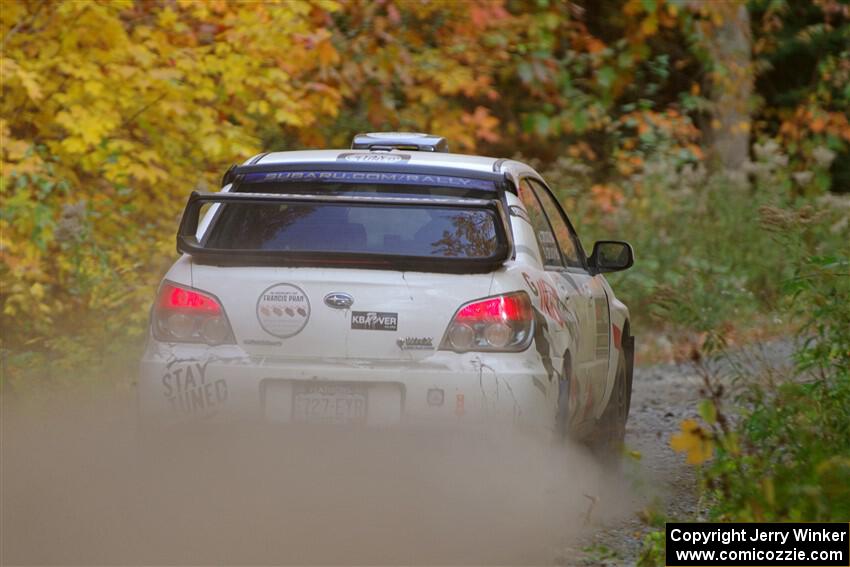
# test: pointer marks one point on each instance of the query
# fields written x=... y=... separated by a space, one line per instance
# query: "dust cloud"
x=80 y=486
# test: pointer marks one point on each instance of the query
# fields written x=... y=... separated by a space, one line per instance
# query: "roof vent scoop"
x=411 y=141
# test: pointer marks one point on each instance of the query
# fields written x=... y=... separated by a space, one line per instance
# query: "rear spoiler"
x=188 y=243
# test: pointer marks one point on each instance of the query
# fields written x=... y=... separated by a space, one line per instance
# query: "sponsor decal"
x=373 y=157
x=530 y=283
x=283 y=310
x=550 y=302
x=374 y=321
x=189 y=391
x=416 y=343
x=370 y=177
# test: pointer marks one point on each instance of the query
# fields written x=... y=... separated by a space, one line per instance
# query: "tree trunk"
x=731 y=86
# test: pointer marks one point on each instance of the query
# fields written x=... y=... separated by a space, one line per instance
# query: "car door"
x=569 y=292
x=588 y=290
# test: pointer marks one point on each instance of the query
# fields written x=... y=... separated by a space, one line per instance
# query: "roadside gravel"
x=663 y=395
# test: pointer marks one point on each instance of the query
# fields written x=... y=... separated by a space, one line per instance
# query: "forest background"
x=713 y=135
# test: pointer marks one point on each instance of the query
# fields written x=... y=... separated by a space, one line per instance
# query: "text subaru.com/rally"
x=392 y=283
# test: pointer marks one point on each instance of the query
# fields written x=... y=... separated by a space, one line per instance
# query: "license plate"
x=329 y=403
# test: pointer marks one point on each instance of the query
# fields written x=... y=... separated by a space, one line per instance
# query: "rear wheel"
x=611 y=429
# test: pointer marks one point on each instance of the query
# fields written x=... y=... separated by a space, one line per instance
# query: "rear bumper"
x=181 y=384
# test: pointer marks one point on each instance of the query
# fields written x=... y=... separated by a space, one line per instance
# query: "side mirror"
x=611 y=256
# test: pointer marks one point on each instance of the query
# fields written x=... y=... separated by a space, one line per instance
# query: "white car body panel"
x=254 y=379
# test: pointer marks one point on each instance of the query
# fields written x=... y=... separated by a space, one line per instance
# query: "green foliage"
x=653 y=551
x=788 y=458
x=599 y=554
x=785 y=456
x=705 y=262
x=653 y=544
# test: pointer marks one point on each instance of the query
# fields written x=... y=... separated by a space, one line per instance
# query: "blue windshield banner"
x=424 y=179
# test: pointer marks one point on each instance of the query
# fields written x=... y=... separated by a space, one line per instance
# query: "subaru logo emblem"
x=339 y=300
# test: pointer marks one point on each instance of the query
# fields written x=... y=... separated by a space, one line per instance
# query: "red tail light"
x=499 y=323
x=173 y=297
x=182 y=314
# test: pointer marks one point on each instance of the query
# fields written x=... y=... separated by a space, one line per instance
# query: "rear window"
x=432 y=231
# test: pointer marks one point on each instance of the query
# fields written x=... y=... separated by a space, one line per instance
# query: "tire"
x=611 y=429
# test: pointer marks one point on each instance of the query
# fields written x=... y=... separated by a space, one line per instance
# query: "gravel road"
x=662 y=396
x=77 y=490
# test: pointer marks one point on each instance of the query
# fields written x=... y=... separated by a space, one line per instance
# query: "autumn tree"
x=111 y=112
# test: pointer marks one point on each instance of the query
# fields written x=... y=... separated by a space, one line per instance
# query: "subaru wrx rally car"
x=390 y=283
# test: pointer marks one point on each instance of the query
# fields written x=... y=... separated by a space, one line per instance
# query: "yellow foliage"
x=693 y=440
x=112 y=112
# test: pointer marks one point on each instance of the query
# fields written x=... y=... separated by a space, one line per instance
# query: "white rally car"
x=392 y=283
